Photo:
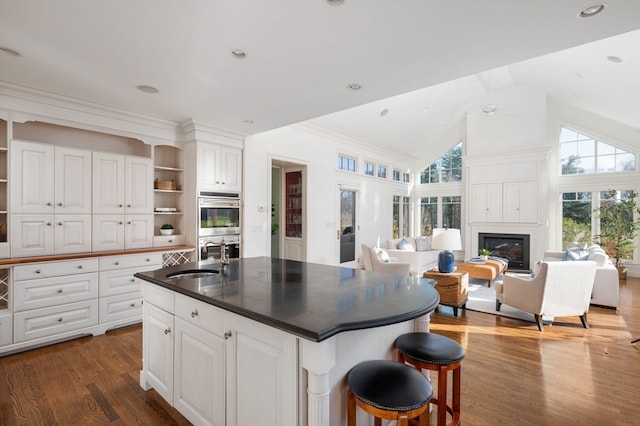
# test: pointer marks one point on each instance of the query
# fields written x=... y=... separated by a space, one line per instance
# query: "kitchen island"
x=269 y=341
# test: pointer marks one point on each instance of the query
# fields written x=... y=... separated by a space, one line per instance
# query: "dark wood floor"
x=512 y=374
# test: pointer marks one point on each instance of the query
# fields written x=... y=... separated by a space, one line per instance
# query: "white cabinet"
x=122 y=184
x=520 y=202
x=219 y=168
x=157 y=350
x=505 y=202
x=6 y=327
x=47 y=179
x=51 y=200
x=222 y=362
x=486 y=202
x=115 y=232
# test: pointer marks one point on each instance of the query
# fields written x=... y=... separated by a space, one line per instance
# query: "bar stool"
x=433 y=352
x=388 y=390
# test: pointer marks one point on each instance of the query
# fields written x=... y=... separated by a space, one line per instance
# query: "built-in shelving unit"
x=4 y=137
x=168 y=181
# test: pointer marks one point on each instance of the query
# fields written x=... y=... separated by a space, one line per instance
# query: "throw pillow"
x=405 y=245
x=536 y=268
x=576 y=254
x=383 y=256
x=423 y=244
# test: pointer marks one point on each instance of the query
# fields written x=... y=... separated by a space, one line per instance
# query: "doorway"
x=288 y=210
x=348 y=227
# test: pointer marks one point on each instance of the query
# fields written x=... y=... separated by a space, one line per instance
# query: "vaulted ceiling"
x=419 y=60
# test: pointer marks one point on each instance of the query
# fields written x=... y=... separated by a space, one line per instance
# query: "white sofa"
x=606 y=285
x=420 y=257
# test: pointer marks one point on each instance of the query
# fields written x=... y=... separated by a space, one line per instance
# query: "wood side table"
x=453 y=288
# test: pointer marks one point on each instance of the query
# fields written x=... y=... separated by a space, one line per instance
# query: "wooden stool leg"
x=377 y=421
x=442 y=395
x=402 y=420
x=457 y=374
x=351 y=409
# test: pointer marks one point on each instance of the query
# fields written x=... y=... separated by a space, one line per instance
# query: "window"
x=346 y=163
x=406 y=177
x=369 y=168
x=440 y=212
x=582 y=154
x=446 y=169
x=396 y=175
x=401 y=216
x=382 y=172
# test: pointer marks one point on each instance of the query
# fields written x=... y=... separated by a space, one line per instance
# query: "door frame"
x=356 y=189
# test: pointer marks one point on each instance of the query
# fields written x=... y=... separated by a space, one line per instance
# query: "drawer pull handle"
x=59 y=204
x=120 y=223
x=119 y=205
x=59 y=290
x=167 y=330
x=48 y=223
x=227 y=335
x=170 y=241
x=79 y=266
x=60 y=319
x=116 y=263
x=148 y=260
x=48 y=204
x=133 y=305
x=37 y=271
x=133 y=280
x=129 y=205
x=194 y=313
x=59 y=223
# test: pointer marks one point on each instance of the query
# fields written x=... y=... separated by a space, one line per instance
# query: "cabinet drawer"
x=120 y=307
x=158 y=296
x=46 y=322
x=152 y=260
x=201 y=314
x=121 y=281
x=32 y=294
x=168 y=240
x=6 y=327
x=54 y=269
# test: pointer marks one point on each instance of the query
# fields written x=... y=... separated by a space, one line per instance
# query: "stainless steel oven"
x=219 y=214
x=210 y=246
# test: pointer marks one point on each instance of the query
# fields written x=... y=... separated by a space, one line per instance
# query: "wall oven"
x=210 y=246
x=219 y=214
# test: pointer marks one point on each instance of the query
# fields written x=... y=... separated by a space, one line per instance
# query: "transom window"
x=382 y=172
x=583 y=154
x=447 y=169
x=369 y=168
x=346 y=163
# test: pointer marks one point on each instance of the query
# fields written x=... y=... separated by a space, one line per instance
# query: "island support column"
x=318 y=358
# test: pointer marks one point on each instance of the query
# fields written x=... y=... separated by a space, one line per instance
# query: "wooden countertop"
x=53 y=258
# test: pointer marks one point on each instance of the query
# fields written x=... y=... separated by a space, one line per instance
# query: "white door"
x=72 y=233
x=261 y=374
x=107 y=232
x=138 y=185
x=157 y=350
x=346 y=233
x=31 y=235
x=108 y=183
x=138 y=231
x=32 y=184
x=72 y=181
x=199 y=393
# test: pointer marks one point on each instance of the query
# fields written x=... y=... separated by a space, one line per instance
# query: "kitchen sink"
x=192 y=274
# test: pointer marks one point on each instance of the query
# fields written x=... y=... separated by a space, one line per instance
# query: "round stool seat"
x=389 y=385
x=430 y=348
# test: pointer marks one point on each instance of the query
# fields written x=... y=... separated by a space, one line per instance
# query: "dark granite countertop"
x=309 y=300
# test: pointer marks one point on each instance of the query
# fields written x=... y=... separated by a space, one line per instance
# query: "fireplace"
x=514 y=247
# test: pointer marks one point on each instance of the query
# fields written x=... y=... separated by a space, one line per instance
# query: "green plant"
x=167 y=226
x=618 y=227
x=484 y=252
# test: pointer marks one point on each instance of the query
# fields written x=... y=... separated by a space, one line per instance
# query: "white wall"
x=318 y=151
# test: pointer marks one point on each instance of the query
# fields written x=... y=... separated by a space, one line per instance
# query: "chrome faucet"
x=206 y=245
x=224 y=257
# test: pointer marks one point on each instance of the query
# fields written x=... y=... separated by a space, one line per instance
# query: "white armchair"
x=557 y=289
x=373 y=263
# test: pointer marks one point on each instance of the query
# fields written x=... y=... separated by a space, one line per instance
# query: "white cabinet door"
x=72 y=233
x=108 y=183
x=31 y=235
x=6 y=327
x=207 y=163
x=294 y=249
x=231 y=169
x=72 y=181
x=199 y=393
x=107 y=232
x=138 y=181
x=261 y=374
x=32 y=184
x=157 y=350
x=486 y=202
x=529 y=195
x=138 y=231
x=511 y=206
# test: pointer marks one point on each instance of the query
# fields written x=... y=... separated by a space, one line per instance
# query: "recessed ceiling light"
x=247 y=121
x=239 y=53
x=614 y=59
x=592 y=10
x=335 y=2
x=354 y=86
x=489 y=109
x=384 y=112
x=10 y=52
x=147 y=89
